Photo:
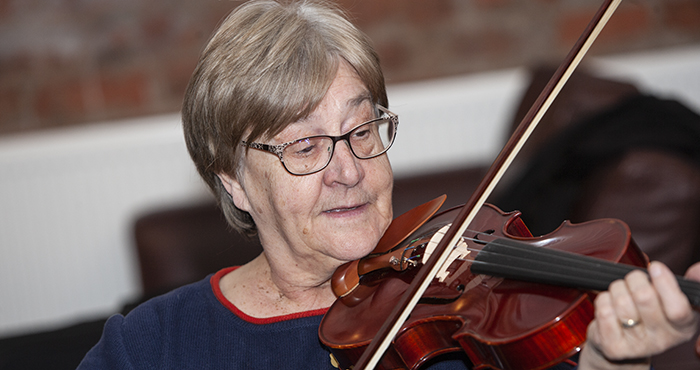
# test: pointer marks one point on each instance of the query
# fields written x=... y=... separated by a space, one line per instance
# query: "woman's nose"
x=344 y=167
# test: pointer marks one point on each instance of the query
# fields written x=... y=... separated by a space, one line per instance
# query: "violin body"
x=499 y=323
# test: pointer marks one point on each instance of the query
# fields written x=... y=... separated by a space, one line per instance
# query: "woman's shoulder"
x=139 y=336
x=190 y=328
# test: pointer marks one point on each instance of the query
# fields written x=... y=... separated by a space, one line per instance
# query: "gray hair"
x=268 y=65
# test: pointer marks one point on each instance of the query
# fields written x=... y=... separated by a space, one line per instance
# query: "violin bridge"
x=459 y=251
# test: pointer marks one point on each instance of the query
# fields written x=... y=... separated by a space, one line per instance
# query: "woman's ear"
x=235 y=189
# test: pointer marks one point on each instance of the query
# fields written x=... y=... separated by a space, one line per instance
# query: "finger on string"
x=647 y=301
x=606 y=317
x=693 y=272
x=673 y=302
x=605 y=332
x=624 y=304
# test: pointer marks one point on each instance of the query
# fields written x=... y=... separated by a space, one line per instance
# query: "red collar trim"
x=216 y=287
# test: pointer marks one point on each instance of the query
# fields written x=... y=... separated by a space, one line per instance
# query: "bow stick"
x=370 y=358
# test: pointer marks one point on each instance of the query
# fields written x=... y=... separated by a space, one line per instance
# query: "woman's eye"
x=364 y=132
x=305 y=150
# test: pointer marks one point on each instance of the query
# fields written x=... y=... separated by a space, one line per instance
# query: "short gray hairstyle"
x=268 y=65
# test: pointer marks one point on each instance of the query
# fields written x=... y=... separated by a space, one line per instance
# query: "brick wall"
x=69 y=62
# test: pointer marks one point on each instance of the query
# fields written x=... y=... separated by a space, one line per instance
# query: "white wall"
x=67 y=201
x=452 y=122
x=68 y=197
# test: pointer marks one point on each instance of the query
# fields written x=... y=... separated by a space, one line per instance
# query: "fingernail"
x=654 y=269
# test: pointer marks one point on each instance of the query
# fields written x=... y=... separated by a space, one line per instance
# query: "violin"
x=474 y=279
x=505 y=297
x=498 y=322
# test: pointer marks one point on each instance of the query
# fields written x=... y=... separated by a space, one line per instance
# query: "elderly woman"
x=286 y=120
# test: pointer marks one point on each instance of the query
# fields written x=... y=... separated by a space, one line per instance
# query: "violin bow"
x=376 y=349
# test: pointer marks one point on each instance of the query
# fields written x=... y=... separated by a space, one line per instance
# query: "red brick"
x=491 y=4
x=144 y=52
x=488 y=43
x=10 y=105
x=368 y=14
x=156 y=30
x=394 y=55
x=6 y=8
x=192 y=37
x=127 y=91
x=626 y=22
x=177 y=77
x=60 y=101
x=683 y=15
x=116 y=48
x=426 y=13
x=14 y=66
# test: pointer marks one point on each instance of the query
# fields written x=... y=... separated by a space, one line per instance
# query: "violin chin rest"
x=345 y=279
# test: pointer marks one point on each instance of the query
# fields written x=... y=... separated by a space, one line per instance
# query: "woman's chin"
x=354 y=252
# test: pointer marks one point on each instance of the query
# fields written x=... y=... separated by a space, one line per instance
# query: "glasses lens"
x=307 y=155
x=372 y=138
x=368 y=140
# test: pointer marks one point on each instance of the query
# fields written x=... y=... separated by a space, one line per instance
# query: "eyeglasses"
x=312 y=154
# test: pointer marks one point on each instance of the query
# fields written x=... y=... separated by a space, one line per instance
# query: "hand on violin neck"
x=638 y=317
x=693 y=272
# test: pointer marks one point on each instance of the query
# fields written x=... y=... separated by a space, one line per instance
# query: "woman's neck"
x=261 y=291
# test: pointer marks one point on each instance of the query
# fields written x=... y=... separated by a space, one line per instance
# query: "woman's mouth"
x=344 y=209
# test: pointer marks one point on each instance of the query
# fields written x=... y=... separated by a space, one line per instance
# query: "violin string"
x=526 y=267
x=545 y=255
x=612 y=270
x=555 y=266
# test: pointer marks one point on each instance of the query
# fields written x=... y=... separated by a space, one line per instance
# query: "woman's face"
x=329 y=217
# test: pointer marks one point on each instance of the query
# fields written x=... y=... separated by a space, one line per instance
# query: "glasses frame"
x=279 y=148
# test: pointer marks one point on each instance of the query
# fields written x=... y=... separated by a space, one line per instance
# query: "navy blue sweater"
x=195 y=327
